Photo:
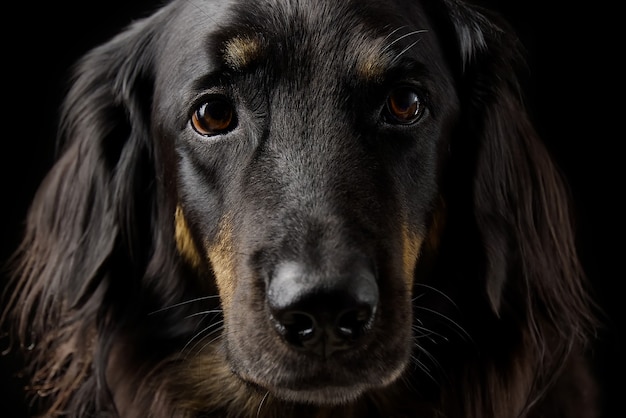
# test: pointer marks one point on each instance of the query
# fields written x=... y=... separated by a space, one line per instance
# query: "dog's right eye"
x=213 y=117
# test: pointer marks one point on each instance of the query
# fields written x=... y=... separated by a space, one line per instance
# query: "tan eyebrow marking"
x=372 y=61
x=241 y=51
x=375 y=56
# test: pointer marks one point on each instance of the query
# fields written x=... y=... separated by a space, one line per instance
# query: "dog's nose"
x=320 y=314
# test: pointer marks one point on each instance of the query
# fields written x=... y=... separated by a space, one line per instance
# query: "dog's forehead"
x=348 y=35
x=363 y=37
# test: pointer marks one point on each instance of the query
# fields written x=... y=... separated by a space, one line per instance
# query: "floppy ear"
x=92 y=215
x=520 y=201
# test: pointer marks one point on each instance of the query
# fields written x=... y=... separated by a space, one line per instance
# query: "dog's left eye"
x=213 y=117
x=404 y=106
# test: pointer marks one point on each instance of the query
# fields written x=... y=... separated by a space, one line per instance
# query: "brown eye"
x=404 y=106
x=214 y=117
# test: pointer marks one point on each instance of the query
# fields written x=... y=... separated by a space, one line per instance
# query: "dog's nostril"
x=298 y=327
x=352 y=323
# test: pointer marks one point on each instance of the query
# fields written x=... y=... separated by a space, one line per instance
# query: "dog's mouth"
x=320 y=391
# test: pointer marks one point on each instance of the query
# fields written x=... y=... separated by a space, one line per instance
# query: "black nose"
x=322 y=314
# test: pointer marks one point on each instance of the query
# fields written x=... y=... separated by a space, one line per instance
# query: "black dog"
x=286 y=208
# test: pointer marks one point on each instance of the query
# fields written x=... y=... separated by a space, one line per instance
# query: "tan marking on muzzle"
x=411 y=246
x=220 y=253
x=241 y=51
x=184 y=242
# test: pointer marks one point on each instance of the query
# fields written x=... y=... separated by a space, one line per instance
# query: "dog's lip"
x=299 y=382
x=325 y=395
x=330 y=386
x=321 y=392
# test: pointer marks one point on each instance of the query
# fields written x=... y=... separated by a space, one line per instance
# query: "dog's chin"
x=323 y=396
x=323 y=391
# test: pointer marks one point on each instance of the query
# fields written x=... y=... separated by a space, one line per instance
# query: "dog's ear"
x=89 y=199
x=98 y=197
x=519 y=198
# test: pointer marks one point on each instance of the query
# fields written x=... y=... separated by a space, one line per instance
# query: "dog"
x=285 y=208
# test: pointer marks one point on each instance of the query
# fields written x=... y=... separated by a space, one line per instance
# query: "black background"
x=573 y=90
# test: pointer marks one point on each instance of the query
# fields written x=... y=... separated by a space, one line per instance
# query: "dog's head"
x=323 y=177
x=305 y=144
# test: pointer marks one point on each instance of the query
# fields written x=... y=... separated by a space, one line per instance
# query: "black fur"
x=310 y=209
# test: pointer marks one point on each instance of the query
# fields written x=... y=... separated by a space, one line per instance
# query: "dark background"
x=574 y=58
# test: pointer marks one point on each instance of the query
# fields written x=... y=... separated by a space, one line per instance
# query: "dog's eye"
x=404 y=106
x=213 y=117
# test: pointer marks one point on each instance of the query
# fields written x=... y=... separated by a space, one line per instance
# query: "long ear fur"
x=89 y=231
x=534 y=281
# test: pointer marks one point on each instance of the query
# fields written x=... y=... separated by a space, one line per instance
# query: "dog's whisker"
x=390 y=34
x=404 y=50
x=437 y=291
x=221 y=334
x=420 y=365
x=418 y=297
x=258 y=411
x=425 y=336
x=187 y=302
x=457 y=326
x=430 y=357
x=217 y=311
x=198 y=336
x=201 y=349
x=427 y=333
x=406 y=35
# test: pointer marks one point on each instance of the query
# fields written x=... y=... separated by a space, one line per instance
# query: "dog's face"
x=305 y=142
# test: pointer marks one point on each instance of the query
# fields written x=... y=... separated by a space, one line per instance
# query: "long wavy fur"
x=99 y=252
